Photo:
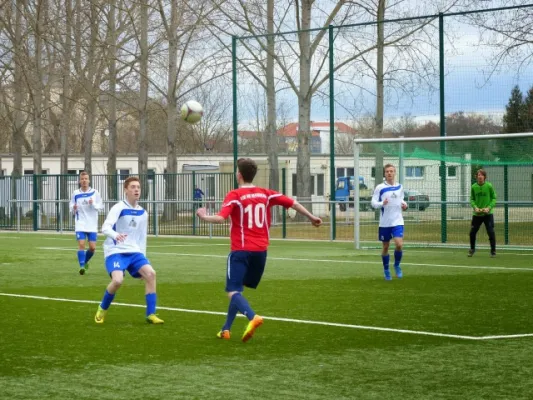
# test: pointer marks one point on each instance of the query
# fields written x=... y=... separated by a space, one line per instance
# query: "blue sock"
x=106 y=301
x=88 y=256
x=385 y=260
x=81 y=258
x=397 y=257
x=242 y=305
x=151 y=300
x=230 y=317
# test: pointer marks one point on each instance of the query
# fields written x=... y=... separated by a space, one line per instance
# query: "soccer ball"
x=192 y=112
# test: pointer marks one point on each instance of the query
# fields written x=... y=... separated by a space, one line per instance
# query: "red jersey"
x=249 y=209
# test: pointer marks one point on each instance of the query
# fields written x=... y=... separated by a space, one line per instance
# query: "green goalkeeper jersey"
x=483 y=196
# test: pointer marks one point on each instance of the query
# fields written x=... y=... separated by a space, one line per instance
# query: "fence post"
x=35 y=204
x=284 y=215
x=505 y=205
x=154 y=205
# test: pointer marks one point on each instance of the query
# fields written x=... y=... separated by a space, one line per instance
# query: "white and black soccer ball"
x=192 y=112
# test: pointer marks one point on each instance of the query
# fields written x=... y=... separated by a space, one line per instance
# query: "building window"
x=73 y=174
x=123 y=174
x=345 y=172
x=414 y=172
x=320 y=184
x=316 y=188
x=43 y=172
x=452 y=172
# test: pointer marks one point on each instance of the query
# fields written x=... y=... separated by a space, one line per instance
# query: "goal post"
x=437 y=174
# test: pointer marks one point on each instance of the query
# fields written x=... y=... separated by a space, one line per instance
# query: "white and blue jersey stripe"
x=86 y=215
x=391 y=213
x=125 y=219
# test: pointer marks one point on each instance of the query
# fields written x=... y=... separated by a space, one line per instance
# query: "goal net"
x=437 y=174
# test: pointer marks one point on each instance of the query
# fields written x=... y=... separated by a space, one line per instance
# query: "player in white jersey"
x=85 y=204
x=388 y=196
x=126 y=228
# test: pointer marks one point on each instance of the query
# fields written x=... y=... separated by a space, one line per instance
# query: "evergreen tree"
x=514 y=113
x=528 y=111
x=517 y=118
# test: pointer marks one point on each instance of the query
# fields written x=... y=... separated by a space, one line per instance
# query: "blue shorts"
x=86 y=235
x=131 y=262
x=245 y=268
x=386 y=234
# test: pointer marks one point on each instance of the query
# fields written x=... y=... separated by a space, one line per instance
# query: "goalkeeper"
x=483 y=201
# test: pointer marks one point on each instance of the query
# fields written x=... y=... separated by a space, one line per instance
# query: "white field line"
x=296 y=321
x=322 y=260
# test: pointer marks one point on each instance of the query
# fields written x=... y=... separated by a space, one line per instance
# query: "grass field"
x=452 y=328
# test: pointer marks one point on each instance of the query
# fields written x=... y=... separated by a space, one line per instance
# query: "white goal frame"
x=357 y=150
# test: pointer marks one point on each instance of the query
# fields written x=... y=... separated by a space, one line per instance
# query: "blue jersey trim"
x=130 y=211
x=388 y=189
x=85 y=194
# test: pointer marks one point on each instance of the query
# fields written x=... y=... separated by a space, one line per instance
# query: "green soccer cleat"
x=86 y=267
x=154 y=319
x=255 y=323
x=226 y=335
x=100 y=315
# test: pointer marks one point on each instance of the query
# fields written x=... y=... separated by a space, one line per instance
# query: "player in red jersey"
x=249 y=207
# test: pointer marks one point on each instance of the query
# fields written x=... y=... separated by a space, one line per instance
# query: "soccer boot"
x=386 y=274
x=492 y=254
x=226 y=335
x=82 y=271
x=86 y=267
x=471 y=252
x=255 y=323
x=398 y=270
x=100 y=315
x=154 y=319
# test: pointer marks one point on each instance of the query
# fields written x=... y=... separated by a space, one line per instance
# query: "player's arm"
x=214 y=219
x=225 y=211
x=375 y=198
x=142 y=241
x=110 y=222
x=316 y=221
x=405 y=206
x=492 y=196
x=98 y=203
x=473 y=199
x=72 y=203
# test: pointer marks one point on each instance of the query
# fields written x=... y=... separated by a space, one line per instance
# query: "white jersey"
x=391 y=213
x=132 y=221
x=86 y=215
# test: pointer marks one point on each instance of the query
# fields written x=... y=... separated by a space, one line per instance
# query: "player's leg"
x=236 y=266
x=489 y=225
x=398 y=250
x=385 y=236
x=92 y=248
x=81 y=237
x=476 y=224
x=141 y=268
x=254 y=273
x=115 y=265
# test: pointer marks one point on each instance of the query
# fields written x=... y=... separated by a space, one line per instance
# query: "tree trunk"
x=170 y=212
x=304 y=108
x=38 y=95
x=271 y=131
x=112 y=122
x=18 y=132
x=143 y=100
x=379 y=96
